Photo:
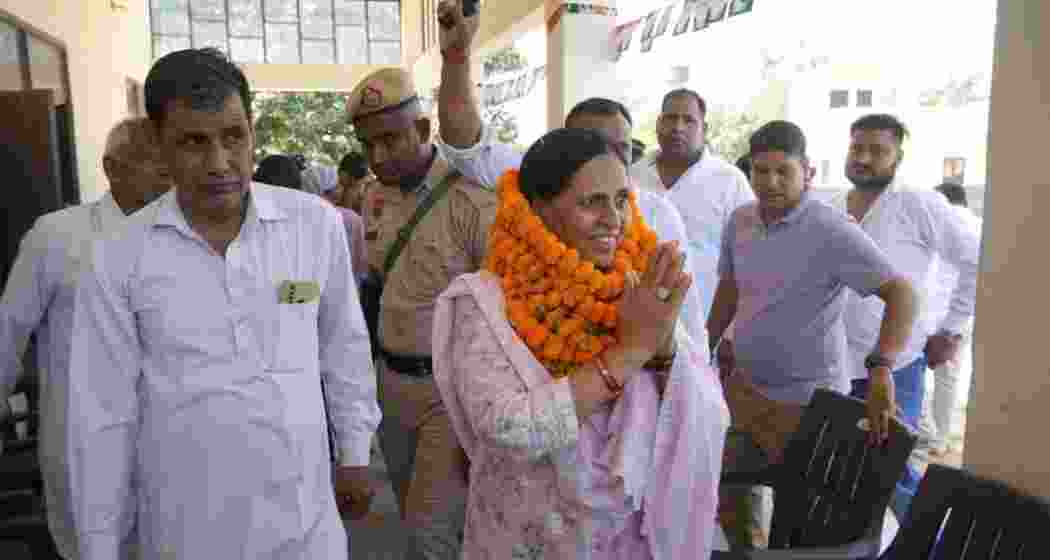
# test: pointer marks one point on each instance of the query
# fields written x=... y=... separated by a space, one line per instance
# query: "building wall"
x=936 y=133
x=104 y=47
x=1008 y=410
x=502 y=22
x=306 y=77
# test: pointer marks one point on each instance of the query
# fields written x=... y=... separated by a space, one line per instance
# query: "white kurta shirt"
x=194 y=389
x=915 y=228
x=489 y=159
x=943 y=282
x=38 y=299
x=706 y=196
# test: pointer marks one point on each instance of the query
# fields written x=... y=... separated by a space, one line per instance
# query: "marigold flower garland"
x=563 y=307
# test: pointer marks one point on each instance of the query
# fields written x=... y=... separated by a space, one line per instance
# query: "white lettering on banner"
x=653 y=29
x=502 y=91
x=699 y=13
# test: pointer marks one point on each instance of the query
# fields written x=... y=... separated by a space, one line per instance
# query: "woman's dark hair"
x=552 y=161
x=280 y=171
x=204 y=78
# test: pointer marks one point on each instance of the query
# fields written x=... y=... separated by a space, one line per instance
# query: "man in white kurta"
x=939 y=427
x=705 y=188
x=39 y=294
x=473 y=149
x=916 y=229
x=202 y=333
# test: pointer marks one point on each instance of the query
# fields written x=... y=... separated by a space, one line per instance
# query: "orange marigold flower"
x=536 y=335
x=553 y=299
x=552 y=349
x=596 y=313
x=630 y=246
x=569 y=261
x=584 y=271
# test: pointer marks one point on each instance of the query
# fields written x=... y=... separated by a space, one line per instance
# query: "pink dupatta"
x=666 y=456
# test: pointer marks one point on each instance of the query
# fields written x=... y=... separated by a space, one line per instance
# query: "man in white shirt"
x=704 y=188
x=39 y=294
x=471 y=147
x=202 y=332
x=940 y=426
x=915 y=228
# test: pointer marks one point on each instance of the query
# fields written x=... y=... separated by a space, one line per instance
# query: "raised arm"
x=457 y=104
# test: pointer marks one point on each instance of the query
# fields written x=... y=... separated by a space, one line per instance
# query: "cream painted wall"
x=1008 y=411
x=104 y=47
x=305 y=77
x=502 y=21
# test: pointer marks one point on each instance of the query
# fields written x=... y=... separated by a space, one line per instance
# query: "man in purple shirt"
x=785 y=264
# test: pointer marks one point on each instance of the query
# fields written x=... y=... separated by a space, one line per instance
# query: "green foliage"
x=728 y=133
x=313 y=124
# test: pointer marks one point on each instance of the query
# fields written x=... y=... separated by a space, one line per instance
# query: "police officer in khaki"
x=444 y=222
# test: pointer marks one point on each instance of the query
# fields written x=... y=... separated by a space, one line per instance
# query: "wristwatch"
x=876 y=361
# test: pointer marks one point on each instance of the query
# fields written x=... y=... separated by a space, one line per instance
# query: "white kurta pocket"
x=294 y=346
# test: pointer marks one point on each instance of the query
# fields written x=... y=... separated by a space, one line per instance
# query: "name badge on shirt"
x=298 y=292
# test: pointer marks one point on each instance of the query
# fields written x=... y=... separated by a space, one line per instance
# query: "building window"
x=282 y=31
x=863 y=98
x=955 y=170
x=839 y=98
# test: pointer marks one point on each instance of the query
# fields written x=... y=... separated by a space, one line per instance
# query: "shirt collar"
x=109 y=209
x=261 y=207
x=791 y=217
x=438 y=170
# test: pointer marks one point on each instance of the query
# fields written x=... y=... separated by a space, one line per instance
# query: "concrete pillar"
x=1010 y=407
x=579 y=54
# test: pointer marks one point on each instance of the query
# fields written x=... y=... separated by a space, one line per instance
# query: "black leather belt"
x=416 y=366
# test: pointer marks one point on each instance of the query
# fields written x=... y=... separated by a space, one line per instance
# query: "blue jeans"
x=910 y=382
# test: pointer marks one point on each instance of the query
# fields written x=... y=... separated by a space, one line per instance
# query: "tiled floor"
x=380 y=535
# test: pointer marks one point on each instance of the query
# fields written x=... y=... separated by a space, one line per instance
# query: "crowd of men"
x=215 y=360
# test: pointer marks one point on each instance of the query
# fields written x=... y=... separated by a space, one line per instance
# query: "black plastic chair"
x=975 y=518
x=831 y=490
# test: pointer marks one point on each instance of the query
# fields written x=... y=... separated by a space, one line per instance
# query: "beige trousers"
x=427 y=468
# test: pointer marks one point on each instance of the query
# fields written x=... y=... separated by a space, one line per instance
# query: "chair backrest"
x=832 y=488
x=975 y=518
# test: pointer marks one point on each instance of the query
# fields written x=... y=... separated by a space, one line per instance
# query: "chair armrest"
x=863 y=549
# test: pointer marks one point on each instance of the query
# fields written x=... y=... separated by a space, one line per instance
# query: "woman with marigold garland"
x=593 y=425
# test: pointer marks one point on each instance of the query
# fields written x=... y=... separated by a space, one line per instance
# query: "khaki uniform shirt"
x=451 y=240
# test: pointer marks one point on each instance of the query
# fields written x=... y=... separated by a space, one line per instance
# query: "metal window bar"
x=299 y=26
x=368 y=36
x=262 y=21
x=335 y=35
x=23 y=55
x=189 y=18
x=229 y=44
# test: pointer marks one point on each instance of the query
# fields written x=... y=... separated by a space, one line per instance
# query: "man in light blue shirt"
x=785 y=264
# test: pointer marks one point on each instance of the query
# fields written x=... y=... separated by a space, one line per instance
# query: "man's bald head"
x=133 y=165
x=132 y=135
